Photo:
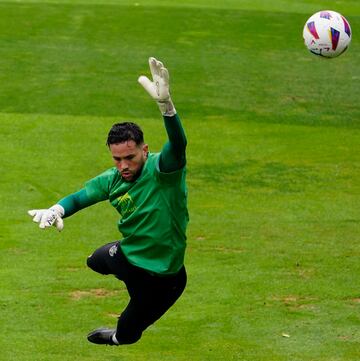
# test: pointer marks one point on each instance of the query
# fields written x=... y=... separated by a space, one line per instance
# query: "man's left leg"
x=105 y=262
x=150 y=297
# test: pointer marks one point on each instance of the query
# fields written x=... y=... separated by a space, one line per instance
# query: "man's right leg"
x=103 y=260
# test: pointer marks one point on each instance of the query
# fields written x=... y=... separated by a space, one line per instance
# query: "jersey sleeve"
x=173 y=156
x=75 y=202
x=98 y=189
x=95 y=190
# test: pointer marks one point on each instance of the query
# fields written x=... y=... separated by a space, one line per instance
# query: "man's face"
x=129 y=158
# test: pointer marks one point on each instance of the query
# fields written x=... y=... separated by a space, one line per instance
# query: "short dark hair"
x=122 y=132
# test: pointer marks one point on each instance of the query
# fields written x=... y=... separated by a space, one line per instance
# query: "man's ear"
x=145 y=149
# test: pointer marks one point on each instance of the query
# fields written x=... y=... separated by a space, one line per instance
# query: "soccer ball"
x=327 y=33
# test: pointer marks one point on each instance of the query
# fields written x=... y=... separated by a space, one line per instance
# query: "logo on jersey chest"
x=125 y=205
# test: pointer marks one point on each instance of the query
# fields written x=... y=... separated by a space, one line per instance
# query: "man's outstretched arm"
x=75 y=202
x=172 y=155
x=64 y=208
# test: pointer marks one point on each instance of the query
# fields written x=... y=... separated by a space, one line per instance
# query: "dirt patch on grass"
x=18 y=251
x=294 y=302
x=305 y=306
x=293 y=298
x=285 y=299
x=72 y=269
x=113 y=315
x=306 y=273
x=355 y=300
x=228 y=250
x=96 y=293
x=217 y=249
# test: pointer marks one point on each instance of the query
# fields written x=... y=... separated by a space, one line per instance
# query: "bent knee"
x=95 y=264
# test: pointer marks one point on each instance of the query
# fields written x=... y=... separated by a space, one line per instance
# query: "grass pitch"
x=274 y=169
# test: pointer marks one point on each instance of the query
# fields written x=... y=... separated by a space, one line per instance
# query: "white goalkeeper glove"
x=158 y=88
x=49 y=217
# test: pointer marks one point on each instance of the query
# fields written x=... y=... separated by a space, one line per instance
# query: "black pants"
x=150 y=295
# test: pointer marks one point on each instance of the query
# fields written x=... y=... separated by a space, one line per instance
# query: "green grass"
x=273 y=176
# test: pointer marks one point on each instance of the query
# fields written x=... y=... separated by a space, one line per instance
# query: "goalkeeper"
x=149 y=191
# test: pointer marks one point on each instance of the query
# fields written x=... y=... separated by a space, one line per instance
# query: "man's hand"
x=49 y=217
x=158 y=88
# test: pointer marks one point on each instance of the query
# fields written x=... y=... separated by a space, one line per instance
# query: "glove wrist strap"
x=167 y=108
x=58 y=209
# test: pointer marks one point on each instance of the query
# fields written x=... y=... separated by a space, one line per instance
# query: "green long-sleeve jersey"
x=153 y=208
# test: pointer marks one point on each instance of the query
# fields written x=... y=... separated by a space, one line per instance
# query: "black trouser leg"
x=150 y=295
